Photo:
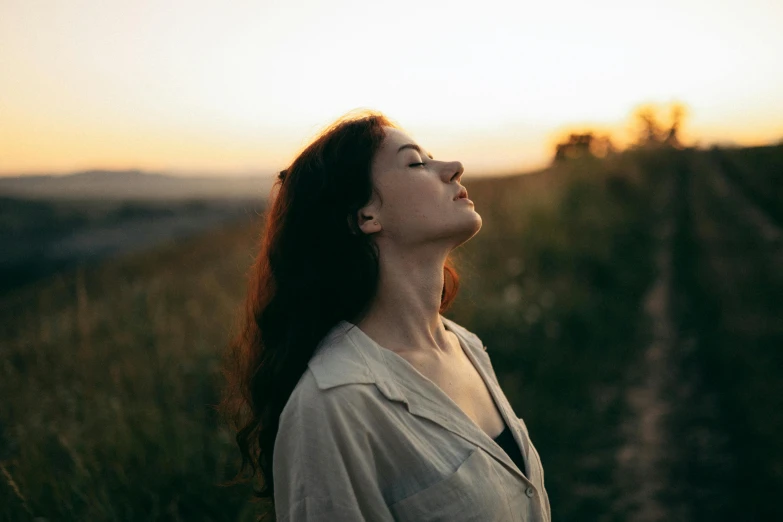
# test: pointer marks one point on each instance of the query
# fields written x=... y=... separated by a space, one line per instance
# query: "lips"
x=463 y=193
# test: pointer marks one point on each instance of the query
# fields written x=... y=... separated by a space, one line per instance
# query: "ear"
x=369 y=223
x=363 y=224
x=368 y=218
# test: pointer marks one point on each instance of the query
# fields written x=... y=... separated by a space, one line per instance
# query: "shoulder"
x=314 y=406
x=326 y=426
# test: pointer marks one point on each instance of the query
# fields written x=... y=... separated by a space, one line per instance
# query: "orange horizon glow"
x=196 y=88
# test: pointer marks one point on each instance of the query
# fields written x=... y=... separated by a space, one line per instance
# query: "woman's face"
x=418 y=192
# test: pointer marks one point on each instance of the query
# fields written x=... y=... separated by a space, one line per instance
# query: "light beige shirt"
x=366 y=436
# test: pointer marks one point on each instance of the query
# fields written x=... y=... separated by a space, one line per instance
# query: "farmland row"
x=699 y=436
x=730 y=276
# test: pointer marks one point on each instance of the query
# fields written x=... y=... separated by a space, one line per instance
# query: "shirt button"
x=529 y=492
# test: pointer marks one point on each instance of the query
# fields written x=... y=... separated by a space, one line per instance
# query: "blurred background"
x=626 y=159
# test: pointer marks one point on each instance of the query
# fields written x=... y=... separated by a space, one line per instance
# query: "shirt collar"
x=347 y=355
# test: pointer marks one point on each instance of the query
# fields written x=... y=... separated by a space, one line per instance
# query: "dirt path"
x=676 y=462
x=641 y=473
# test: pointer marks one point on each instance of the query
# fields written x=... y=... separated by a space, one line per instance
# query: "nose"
x=454 y=169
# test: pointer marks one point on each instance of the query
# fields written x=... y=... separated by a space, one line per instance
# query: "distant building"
x=584 y=145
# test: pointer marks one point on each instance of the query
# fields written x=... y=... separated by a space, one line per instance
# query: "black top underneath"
x=506 y=441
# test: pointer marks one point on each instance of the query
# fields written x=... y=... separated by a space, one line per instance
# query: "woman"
x=354 y=397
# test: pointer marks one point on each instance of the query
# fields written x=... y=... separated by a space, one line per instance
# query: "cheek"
x=413 y=198
x=419 y=201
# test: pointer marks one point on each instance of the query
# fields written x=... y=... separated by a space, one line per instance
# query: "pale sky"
x=239 y=87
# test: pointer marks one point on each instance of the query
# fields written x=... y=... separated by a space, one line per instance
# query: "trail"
x=641 y=473
x=676 y=461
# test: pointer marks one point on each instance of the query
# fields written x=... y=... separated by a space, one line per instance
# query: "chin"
x=471 y=227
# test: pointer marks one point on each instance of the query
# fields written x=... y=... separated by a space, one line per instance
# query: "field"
x=631 y=307
x=39 y=237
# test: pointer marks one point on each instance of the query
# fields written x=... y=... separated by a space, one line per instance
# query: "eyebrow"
x=414 y=147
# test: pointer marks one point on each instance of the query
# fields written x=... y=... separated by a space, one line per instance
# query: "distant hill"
x=39 y=237
x=133 y=184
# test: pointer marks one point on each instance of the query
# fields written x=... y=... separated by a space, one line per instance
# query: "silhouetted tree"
x=652 y=133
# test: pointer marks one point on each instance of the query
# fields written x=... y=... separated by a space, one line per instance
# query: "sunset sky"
x=240 y=87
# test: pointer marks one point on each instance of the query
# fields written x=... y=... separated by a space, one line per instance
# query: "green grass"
x=740 y=276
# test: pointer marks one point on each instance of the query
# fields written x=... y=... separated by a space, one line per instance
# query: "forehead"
x=395 y=138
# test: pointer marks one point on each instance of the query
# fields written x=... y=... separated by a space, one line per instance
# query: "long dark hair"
x=314 y=268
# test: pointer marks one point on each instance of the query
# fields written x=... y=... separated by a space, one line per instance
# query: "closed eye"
x=414 y=164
